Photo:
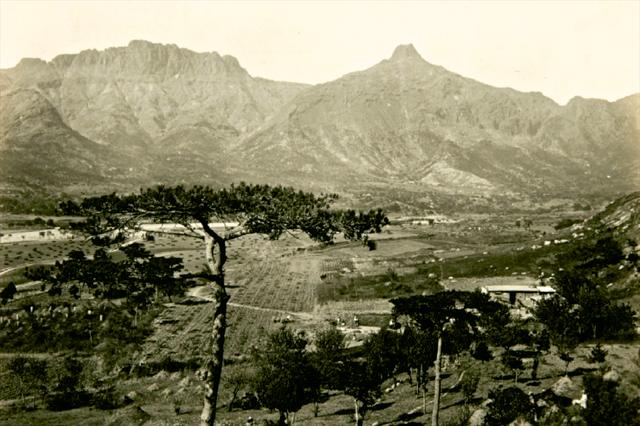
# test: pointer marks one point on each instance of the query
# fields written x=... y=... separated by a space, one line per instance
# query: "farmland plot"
x=283 y=284
x=267 y=281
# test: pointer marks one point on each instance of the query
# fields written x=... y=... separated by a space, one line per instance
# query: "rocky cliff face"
x=149 y=104
x=149 y=113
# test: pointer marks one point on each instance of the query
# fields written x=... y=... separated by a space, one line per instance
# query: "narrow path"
x=27 y=265
x=197 y=292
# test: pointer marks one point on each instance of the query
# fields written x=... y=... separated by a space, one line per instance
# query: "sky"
x=560 y=48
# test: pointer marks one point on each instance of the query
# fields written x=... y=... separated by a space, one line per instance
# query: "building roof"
x=517 y=289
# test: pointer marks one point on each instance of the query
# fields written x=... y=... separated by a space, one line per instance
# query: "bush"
x=607 y=405
x=68 y=400
x=107 y=399
x=508 y=405
x=459 y=418
x=469 y=384
x=565 y=223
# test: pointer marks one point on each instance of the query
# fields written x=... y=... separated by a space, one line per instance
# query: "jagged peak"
x=404 y=52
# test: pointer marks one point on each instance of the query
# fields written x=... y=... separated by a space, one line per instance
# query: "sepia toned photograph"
x=319 y=212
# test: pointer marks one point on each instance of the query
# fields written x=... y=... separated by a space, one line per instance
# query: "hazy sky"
x=562 y=49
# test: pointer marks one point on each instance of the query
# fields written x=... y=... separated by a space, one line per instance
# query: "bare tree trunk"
x=213 y=367
x=424 y=401
x=436 y=393
x=357 y=414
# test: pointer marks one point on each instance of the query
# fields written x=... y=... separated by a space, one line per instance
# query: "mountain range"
x=150 y=113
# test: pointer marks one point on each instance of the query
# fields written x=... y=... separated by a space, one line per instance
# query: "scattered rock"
x=477 y=418
x=611 y=376
x=486 y=403
x=520 y=422
x=153 y=387
x=162 y=375
x=566 y=388
x=130 y=397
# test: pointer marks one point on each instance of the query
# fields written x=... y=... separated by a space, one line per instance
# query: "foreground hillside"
x=140 y=367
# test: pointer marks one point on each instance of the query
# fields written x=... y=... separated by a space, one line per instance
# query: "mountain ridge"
x=161 y=113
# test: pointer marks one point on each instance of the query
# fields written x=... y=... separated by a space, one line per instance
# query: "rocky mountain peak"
x=405 y=52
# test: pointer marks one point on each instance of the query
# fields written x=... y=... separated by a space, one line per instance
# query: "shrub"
x=459 y=418
x=67 y=401
x=508 y=405
x=469 y=384
x=607 y=405
x=107 y=399
x=565 y=223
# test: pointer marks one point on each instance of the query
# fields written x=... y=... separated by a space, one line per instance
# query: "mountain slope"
x=149 y=113
x=408 y=120
x=37 y=146
x=152 y=102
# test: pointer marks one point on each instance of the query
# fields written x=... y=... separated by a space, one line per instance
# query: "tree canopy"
x=284 y=376
x=262 y=209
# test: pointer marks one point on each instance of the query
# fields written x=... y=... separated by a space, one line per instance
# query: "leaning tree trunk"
x=358 y=419
x=213 y=366
x=424 y=400
x=436 y=393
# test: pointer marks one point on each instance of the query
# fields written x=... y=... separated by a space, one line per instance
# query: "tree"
x=598 y=354
x=383 y=353
x=539 y=344
x=284 y=373
x=329 y=356
x=68 y=390
x=31 y=374
x=507 y=405
x=419 y=352
x=363 y=384
x=8 y=292
x=469 y=383
x=256 y=209
x=512 y=362
x=139 y=276
x=362 y=377
x=608 y=405
x=328 y=360
x=449 y=316
x=236 y=380
x=559 y=320
x=507 y=333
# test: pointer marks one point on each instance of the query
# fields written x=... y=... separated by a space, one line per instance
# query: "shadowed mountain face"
x=150 y=113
